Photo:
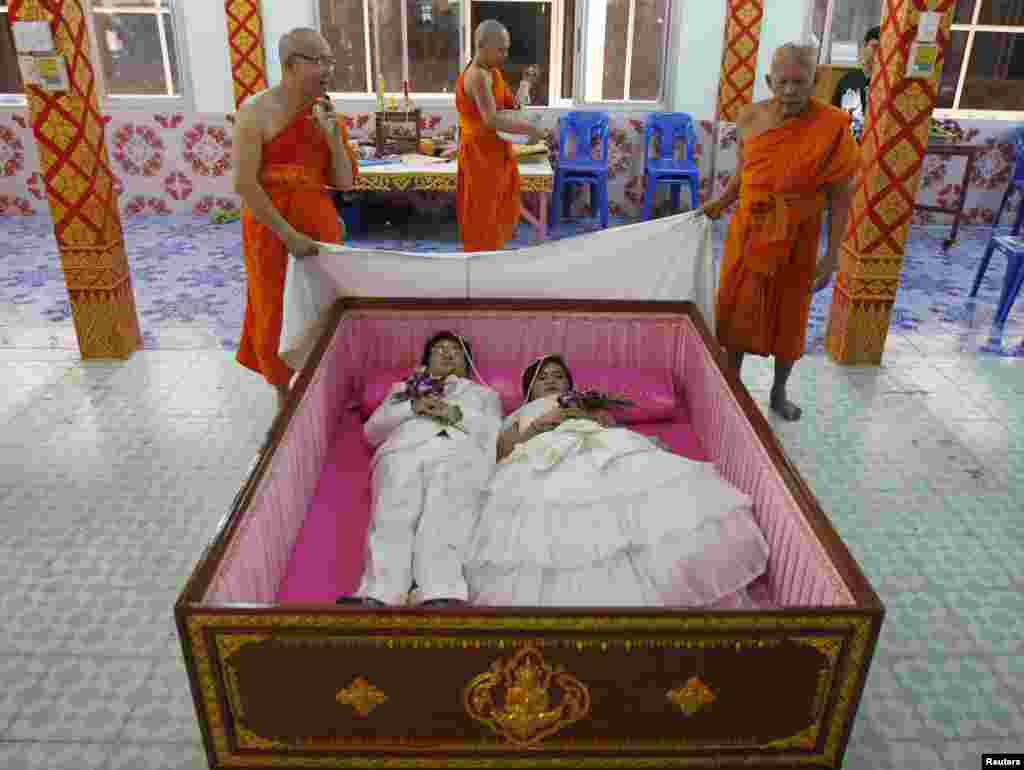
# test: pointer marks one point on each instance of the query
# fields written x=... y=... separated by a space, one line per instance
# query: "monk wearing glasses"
x=291 y=152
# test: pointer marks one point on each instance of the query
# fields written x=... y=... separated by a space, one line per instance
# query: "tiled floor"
x=113 y=475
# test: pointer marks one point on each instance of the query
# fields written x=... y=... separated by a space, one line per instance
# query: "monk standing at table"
x=487 y=186
x=796 y=157
x=289 y=148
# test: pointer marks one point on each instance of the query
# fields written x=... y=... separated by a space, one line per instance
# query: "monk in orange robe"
x=797 y=157
x=487 y=187
x=290 y=147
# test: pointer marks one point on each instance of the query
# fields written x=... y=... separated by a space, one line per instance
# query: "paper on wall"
x=32 y=36
x=928 y=27
x=48 y=72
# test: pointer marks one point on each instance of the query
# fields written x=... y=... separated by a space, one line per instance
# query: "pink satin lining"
x=303 y=534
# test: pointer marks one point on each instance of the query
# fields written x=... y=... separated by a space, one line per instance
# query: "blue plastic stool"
x=583 y=128
x=668 y=128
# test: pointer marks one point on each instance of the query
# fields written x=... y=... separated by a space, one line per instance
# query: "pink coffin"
x=282 y=677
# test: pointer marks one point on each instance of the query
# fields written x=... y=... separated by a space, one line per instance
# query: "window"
x=10 y=73
x=620 y=45
x=984 y=65
x=626 y=42
x=817 y=23
x=530 y=27
x=136 y=44
x=840 y=26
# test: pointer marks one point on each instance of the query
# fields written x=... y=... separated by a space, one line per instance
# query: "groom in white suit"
x=427 y=480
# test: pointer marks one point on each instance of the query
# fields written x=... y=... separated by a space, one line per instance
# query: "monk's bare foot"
x=785 y=408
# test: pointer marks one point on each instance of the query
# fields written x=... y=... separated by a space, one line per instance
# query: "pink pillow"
x=378 y=384
x=651 y=389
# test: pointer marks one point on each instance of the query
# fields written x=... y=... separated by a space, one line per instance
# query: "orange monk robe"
x=764 y=294
x=296 y=166
x=487 y=187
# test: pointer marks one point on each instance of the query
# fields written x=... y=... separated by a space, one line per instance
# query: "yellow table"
x=421 y=174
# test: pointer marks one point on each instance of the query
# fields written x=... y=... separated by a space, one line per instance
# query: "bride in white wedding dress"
x=580 y=512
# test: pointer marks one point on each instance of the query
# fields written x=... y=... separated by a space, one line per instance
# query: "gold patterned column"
x=893 y=147
x=80 y=186
x=739 y=57
x=245 y=41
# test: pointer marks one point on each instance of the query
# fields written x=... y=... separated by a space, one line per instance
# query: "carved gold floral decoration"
x=362 y=696
x=691 y=697
x=526 y=700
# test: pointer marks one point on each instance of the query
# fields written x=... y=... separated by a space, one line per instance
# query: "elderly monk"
x=796 y=157
x=487 y=187
x=290 y=150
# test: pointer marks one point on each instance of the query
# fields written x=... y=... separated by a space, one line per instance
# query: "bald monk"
x=796 y=158
x=289 y=147
x=487 y=186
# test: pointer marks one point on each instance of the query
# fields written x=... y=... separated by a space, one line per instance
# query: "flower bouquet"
x=592 y=399
x=420 y=384
x=584 y=400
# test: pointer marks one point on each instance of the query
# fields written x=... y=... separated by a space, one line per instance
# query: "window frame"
x=971 y=28
x=12 y=99
x=183 y=101
x=558 y=32
x=954 y=112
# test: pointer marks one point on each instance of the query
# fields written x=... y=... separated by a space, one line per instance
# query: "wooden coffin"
x=308 y=684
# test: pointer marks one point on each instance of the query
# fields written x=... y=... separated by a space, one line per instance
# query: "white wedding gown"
x=591 y=516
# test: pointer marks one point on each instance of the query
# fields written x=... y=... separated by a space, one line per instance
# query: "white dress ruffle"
x=591 y=516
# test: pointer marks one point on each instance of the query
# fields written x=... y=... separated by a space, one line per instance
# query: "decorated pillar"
x=68 y=128
x=739 y=57
x=892 y=152
x=245 y=41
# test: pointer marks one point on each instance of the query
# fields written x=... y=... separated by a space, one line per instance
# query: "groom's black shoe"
x=360 y=601
x=442 y=602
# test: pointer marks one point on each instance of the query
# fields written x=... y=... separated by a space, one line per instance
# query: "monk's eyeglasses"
x=327 y=62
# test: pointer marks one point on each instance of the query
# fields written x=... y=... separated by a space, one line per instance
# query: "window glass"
x=995 y=73
x=433 y=29
x=951 y=70
x=650 y=36
x=130 y=53
x=343 y=26
x=10 y=75
x=1003 y=13
x=529 y=26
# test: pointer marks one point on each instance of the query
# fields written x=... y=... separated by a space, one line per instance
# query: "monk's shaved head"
x=792 y=77
x=489 y=33
x=300 y=40
x=797 y=53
